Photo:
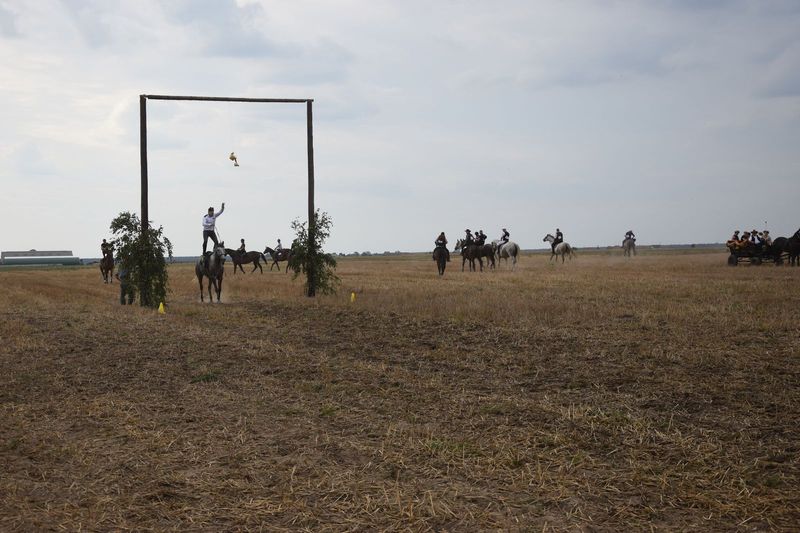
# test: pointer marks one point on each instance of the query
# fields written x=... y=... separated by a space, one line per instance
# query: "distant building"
x=36 y=257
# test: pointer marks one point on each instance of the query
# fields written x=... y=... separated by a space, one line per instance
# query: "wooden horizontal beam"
x=228 y=99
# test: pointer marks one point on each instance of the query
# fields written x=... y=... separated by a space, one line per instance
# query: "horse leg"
x=219 y=288
x=200 y=279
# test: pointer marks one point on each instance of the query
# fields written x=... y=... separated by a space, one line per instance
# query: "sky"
x=677 y=119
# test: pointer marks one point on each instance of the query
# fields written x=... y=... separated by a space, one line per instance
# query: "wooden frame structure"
x=310 y=146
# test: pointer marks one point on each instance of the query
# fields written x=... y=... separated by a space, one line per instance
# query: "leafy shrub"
x=317 y=265
x=144 y=256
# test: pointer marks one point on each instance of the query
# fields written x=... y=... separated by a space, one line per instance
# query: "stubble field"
x=604 y=394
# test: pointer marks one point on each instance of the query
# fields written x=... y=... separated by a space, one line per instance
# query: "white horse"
x=628 y=246
x=506 y=251
x=563 y=248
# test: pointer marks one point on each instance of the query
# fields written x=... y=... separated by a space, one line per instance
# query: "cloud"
x=8 y=23
x=782 y=78
x=225 y=28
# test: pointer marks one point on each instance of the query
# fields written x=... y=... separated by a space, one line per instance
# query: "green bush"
x=309 y=259
x=144 y=256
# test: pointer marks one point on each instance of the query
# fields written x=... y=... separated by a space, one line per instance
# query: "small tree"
x=309 y=259
x=143 y=254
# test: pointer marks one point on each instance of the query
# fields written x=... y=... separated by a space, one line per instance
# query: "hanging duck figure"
x=233 y=158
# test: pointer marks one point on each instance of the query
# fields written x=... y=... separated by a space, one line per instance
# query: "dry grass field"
x=604 y=394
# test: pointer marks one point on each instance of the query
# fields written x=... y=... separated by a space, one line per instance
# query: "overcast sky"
x=678 y=119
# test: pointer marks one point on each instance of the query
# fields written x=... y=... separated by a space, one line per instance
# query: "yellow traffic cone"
x=161 y=310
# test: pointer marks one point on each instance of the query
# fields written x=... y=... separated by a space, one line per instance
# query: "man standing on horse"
x=209 y=227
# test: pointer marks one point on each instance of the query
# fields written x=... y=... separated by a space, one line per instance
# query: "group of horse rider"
x=242 y=249
x=478 y=238
x=748 y=238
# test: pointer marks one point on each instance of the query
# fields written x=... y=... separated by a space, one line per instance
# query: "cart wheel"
x=755 y=261
x=733 y=260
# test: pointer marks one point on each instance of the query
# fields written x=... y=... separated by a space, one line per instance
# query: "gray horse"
x=214 y=271
x=628 y=246
x=508 y=250
x=563 y=249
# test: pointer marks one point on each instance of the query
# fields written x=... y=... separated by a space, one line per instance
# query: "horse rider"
x=279 y=247
x=480 y=238
x=209 y=229
x=628 y=235
x=504 y=238
x=469 y=240
x=107 y=248
x=441 y=241
x=767 y=238
x=241 y=249
x=558 y=240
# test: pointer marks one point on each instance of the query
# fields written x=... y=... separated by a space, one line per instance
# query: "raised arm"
x=221 y=210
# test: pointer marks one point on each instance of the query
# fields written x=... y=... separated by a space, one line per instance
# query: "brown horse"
x=440 y=256
x=245 y=258
x=793 y=248
x=284 y=254
x=107 y=268
x=475 y=251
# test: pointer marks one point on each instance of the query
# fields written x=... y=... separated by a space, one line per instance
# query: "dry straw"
x=599 y=395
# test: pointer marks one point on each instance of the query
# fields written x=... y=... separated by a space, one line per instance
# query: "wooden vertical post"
x=312 y=275
x=143 y=157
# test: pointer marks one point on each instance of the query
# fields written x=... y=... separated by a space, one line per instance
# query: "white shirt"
x=210 y=220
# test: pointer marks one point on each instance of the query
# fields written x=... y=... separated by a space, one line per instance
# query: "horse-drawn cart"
x=755 y=255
